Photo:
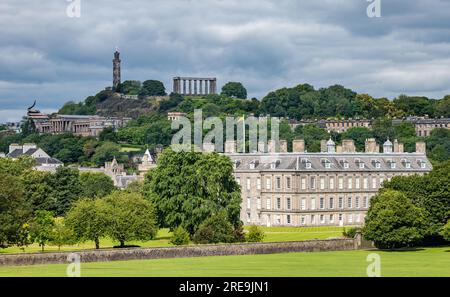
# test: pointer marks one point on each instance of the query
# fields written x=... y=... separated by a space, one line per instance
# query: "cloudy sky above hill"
x=48 y=56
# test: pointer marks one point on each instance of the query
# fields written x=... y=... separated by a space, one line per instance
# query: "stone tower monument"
x=116 y=70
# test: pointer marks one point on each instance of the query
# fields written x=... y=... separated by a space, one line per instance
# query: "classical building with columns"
x=331 y=188
x=194 y=86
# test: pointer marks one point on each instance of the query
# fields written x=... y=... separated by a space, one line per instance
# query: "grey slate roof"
x=298 y=162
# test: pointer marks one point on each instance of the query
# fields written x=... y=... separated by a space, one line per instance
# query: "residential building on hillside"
x=43 y=161
x=331 y=188
x=338 y=126
x=424 y=125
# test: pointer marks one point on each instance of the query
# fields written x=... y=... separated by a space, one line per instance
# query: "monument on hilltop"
x=116 y=70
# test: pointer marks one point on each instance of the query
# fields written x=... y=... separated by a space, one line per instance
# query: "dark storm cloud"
x=48 y=56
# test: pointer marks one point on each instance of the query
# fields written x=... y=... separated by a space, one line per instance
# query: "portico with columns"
x=194 y=86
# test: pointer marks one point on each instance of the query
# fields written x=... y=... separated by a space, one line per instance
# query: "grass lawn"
x=273 y=234
x=418 y=262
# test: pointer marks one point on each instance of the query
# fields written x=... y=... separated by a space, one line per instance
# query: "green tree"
x=108 y=134
x=130 y=217
x=41 y=227
x=14 y=210
x=359 y=135
x=66 y=189
x=393 y=221
x=95 y=185
x=38 y=190
x=312 y=136
x=234 y=89
x=88 y=219
x=61 y=234
x=152 y=88
x=189 y=187
x=432 y=194
x=130 y=87
x=106 y=152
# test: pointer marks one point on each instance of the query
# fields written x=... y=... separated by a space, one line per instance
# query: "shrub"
x=215 y=229
x=255 y=234
x=351 y=233
x=180 y=237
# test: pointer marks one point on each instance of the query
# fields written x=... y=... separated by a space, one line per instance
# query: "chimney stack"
x=230 y=146
x=398 y=147
x=421 y=147
x=283 y=146
x=372 y=146
x=348 y=146
x=323 y=146
x=298 y=146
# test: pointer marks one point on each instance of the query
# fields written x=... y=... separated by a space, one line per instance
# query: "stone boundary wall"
x=103 y=255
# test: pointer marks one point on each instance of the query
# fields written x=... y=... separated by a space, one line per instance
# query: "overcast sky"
x=48 y=56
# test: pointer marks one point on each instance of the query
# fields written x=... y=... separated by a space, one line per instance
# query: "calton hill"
x=193 y=198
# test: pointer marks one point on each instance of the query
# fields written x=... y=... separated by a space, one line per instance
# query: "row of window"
x=330 y=203
x=310 y=219
x=325 y=183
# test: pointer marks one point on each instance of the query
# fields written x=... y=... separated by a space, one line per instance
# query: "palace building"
x=331 y=188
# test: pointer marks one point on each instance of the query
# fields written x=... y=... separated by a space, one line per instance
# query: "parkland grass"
x=415 y=262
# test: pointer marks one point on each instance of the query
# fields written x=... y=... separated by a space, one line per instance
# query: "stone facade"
x=331 y=188
x=80 y=125
x=424 y=125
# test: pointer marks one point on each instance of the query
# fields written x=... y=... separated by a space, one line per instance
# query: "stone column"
x=206 y=87
x=175 y=82
x=201 y=87
x=195 y=87
x=184 y=87
x=190 y=87
x=211 y=87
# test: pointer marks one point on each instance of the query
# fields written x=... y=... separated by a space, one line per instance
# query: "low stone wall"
x=180 y=252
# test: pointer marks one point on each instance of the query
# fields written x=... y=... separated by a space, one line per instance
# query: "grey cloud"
x=265 y=44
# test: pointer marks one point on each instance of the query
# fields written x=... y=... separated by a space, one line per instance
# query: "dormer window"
x=422 y=163
x=275 y=164
x=406 y=163
x=254 y=164
x=360 y=164
x=392 y=164
x=345 y=164
x=377 y=164
x=307 y=163
x=326 y=163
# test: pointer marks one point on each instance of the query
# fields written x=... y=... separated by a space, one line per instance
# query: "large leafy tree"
x=431 y=193
x=89 y=220
x=38 y=190
x=14 y=210
x=95 y=185
x=41 y=227
x=130 y=217
x=66 y=188
x=189 y=187
x=152 y=88
x=393 y=221
x=234 y=89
